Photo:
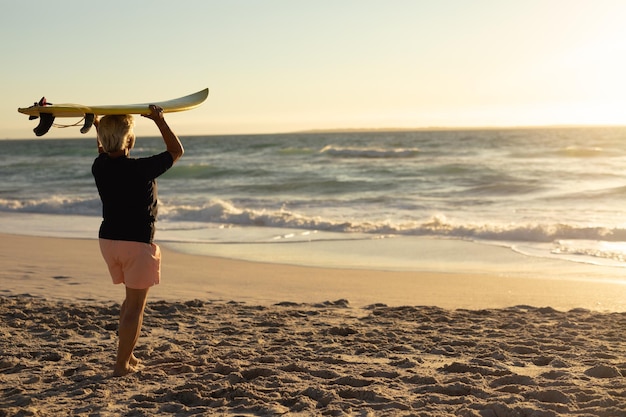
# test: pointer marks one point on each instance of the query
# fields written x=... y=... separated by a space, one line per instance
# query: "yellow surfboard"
x=47 y=112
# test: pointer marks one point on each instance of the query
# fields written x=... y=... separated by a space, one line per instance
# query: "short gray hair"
x=115 y=132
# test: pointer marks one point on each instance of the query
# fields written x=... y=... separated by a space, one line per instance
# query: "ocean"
x=557 y=193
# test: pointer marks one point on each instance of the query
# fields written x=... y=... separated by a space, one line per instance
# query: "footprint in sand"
x=65 y=278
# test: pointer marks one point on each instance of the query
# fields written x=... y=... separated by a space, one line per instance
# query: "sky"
x=288 y=65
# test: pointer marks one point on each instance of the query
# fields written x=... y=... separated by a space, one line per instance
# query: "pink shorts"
x=135 y=264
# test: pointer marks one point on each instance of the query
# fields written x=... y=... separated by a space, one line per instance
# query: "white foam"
x=222 y=213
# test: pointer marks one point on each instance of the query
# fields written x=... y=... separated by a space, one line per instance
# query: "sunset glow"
x=275 y=66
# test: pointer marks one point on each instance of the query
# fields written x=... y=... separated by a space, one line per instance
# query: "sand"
x=226 y=337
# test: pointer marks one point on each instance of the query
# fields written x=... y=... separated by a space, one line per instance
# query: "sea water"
x=552 y=192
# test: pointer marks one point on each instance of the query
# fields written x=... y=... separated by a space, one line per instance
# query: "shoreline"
x=72 y=269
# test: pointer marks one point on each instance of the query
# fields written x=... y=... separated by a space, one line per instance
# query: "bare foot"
x=125 y=369
x=133 y=361
x=122 y=370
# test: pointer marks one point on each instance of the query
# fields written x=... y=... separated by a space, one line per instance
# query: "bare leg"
x=131 y=318
x=133 y=360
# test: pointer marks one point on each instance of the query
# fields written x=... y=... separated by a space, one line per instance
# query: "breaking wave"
x=223 y=212
x=226 y=213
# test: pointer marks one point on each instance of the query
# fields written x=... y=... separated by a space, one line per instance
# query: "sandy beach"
x=229 y=337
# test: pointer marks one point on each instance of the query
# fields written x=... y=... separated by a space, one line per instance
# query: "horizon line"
x=484 y=127
x=386 y=129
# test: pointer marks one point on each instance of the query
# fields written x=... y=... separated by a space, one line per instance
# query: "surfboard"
x=47 y=112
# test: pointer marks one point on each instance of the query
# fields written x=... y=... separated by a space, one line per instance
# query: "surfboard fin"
x=89 y=118
x=41 y=102
x=45 y=123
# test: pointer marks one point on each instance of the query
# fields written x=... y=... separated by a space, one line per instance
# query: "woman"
x=128 y=190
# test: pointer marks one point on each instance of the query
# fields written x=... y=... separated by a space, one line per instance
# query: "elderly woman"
x=128 y=191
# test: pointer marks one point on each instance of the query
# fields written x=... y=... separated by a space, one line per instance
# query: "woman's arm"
x=174 y=147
